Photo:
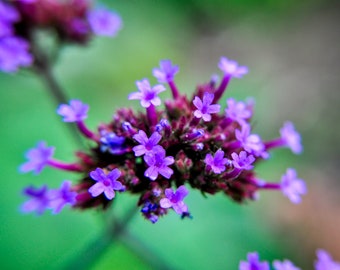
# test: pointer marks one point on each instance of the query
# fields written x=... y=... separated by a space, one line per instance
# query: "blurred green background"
x=292 y=50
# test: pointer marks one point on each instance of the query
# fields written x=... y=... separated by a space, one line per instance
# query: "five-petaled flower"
x=292 y=187
x=62 y=196
x=75 y=112
x=253 y=263
x=175 y=200
x=158 y=163
x=104 y=22
x=204 y=107
x=284 y=265
x=238 y=111
x=217 y=162
x=242 y=160
x=38 y=202
x=166 y=71
x=231 y=68
x=325 y=261
x=146 y=144
x=106 y=183
x=291 y=137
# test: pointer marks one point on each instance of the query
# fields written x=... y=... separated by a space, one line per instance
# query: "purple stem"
x=88 y=133
x=174 y=89
x=73 y=167
x=233 y=174
x=233 y=145
x=274 y=143
x=220 y=90
x=195 y=121
x=152 y=115
x=226 y=122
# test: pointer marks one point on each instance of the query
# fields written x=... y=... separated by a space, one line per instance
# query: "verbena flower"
x=104 y=22
x=242 y=160
x=111 y=142
x=284 y=265
x=75 y=112
x=238 y=111
x=158 y=163
x=293 y=187
x=58 y=198
x=291 y=137
x=325 y=262
x=166 y=71
x=175 y=200
x=146 y=144
x=204 y=107
x=38 y=201
x=217 y=162
x=231 y=68
x=253 y=263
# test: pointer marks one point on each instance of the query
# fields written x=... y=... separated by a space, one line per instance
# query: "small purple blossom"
x=104 y=22
x=38 y=158
x=148 y=95
x=75 y=112
x=62 y=196
x=253 y=263
x=217 y=162
x=325 y=261
x=238 y=111
x=38 y=202
x=158 y=163
x=243 y=161
x=293 y=187
x=146 y=144
x=106 y=183
x=231 y=68
x=284 y=265
x=112 y=143
x=291 y=137
x=204 y=107
x=175 y=200
x=8 y=13
x=166 y=72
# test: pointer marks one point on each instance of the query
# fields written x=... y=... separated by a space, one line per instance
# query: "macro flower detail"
x=293 y=187
x=146 y=144
x=253 y=263
x=175 y=200
x=204 y=107
x=38 y=201
x=242 y=160
x=158 y=163
x=75 y=112
x=232 y=68
x=58 y=198
x=38 y=158
x=166 y=71
x=291 y=137
x=238 y=111
x=216 y=163
x=106 y=183
x=284 y=265
x=104 y=22
x=325 y=261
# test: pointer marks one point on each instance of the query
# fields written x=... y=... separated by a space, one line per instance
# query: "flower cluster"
x=70 y=21
x=160 y=152
x=324 y=262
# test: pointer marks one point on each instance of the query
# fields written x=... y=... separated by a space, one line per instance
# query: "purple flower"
x=14 y=52
x=243 y=161
x=148 y=95
x=75 y=112
x=112 y=143
x=158 y=163
x=291 y=137
x=8 y=13
x=38 y=202
x=62 y=196
x=106 y=184
x=293 y=187
x=146 y=144
x=104 y=22
x=237 y=111
x=252 y=143
x=325 y=261
x=253 y=263
x=284 y=265
x=216 y=163
x=175 y=200
x=204 y=108
x=38 y=158
x=166 y=72
x=231 y=68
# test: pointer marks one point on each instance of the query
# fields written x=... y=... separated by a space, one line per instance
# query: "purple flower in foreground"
x=106 y=184
x=325 y=261
x=14 y=52
x=217 y=162
x=204 y=107
x=237 y=111
x=242 y=161
x=62 y=196
x=253 y=263
x=291 y=137
x=38 y=202
x=104 y=22
x=231 y=68
x=158 y=163
x=284 y=265
x=293 y=187
x=175 y=200
x=38 y=158
x=166 y=72
x=146 y=144
x=148 y=95
x=75 y=112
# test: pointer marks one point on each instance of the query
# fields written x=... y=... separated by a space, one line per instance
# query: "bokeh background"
x=292 y=50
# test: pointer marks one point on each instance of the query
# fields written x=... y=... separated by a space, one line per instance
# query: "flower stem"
x=174 y=89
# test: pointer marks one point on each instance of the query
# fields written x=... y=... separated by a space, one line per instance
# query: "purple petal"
x=96 y=189
x=165 y=203
x=152 y=173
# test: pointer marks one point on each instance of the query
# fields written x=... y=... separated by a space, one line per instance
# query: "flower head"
x=253 y=263
x=146 y=144
x=242 y=161
x=75 y=112
x=231 y=68
x=293 y=187
x=62 y=196
x=166 y=72
x=104 y=22
x=284 y=265
x=217 y=162
x=38 y=202
x=204 y=107
x=238 y=111
x=148 y=95
x=325 y=261
x=38 y=158
x=106 y=183
x=158 y=163
x=291 y=137
x=175 y=200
